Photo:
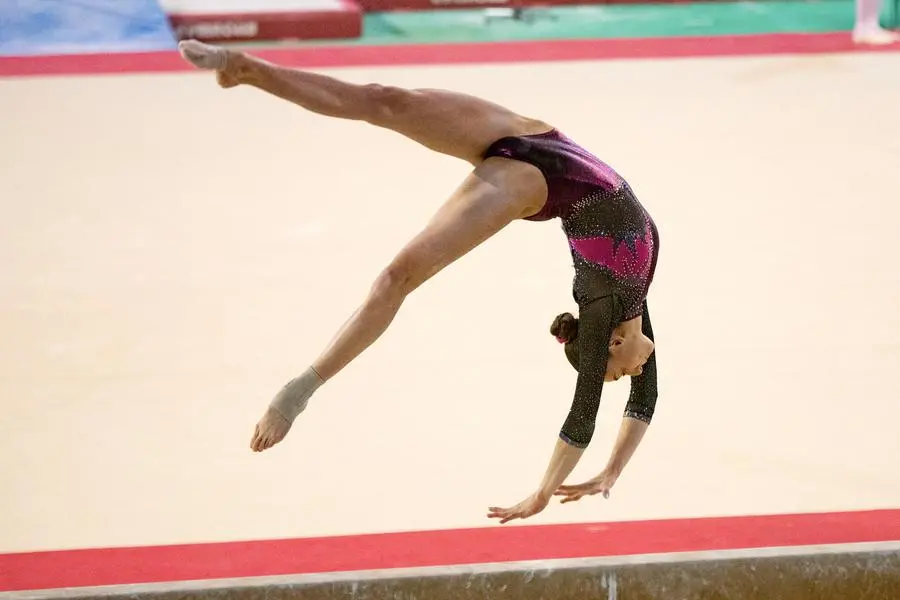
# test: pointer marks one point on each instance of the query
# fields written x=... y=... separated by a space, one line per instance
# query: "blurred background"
x=29 y=27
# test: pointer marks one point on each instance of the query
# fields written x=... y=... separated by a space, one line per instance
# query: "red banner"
x=344 y=21
x=389 y=5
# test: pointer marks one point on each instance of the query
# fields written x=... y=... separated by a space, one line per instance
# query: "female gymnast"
x=522 y=169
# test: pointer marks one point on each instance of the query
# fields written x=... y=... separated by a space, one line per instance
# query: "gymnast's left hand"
x=601 y=484
x=529 y=507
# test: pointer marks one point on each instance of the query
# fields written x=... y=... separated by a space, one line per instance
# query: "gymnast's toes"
x=203 y=56
x=270 y=430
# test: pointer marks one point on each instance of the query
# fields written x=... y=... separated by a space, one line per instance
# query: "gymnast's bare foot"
x=270 y=430
x=284 y=409
x=209 y=57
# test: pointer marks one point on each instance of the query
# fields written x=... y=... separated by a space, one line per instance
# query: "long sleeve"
x=642 y=399
x=596 y=323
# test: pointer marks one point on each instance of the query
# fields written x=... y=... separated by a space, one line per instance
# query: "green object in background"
x=613 y=21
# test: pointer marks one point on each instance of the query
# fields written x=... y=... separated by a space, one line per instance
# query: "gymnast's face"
x=627 y=356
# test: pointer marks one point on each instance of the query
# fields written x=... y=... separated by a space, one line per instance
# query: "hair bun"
x=564 y=327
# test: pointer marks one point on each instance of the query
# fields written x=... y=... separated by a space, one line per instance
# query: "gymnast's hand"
x=529 y=507
x=601 y=484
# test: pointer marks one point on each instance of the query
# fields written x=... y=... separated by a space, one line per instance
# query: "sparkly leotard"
x=614 y=245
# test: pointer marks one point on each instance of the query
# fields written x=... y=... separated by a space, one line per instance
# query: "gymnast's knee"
x=395 y=283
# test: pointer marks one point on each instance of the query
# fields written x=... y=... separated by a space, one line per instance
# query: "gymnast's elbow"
x=580 y=440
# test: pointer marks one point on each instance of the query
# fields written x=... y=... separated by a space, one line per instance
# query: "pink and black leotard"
x=614 y=245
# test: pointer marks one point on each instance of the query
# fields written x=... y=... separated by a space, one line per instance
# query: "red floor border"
x=421 y=54
x=153 y=564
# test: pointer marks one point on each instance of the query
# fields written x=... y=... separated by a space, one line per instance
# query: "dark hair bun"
x=564 y=328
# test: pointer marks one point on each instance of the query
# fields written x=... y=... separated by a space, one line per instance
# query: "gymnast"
x=522 y=169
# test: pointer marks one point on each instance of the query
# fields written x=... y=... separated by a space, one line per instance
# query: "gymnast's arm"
x=639 y=409
x=596 y=324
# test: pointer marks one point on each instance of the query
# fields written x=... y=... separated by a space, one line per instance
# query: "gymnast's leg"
x=497 y=192
x=448 y=122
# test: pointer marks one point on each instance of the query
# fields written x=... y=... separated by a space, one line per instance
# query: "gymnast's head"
x=629 y=348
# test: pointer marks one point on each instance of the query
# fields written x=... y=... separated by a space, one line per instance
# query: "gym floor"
x=173 y=253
